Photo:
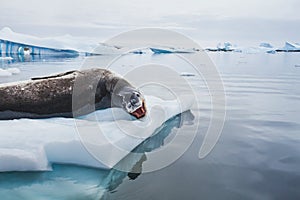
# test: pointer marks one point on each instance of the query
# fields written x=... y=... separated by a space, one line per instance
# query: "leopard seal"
x=69 y=94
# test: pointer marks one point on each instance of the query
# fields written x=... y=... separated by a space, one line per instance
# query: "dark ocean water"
x=256 y=157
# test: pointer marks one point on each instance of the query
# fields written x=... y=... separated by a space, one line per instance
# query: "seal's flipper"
x=54 y=76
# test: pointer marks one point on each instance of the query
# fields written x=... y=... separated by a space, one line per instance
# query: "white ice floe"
x=33 y=144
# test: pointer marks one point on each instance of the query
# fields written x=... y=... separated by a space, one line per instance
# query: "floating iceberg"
x=290 y=47
x=255 y=50
x=263 y=48
x=226 y=47
x=166 y=50
x=19 y=46
x=80 y=44
x=106 y=49
x=187 y=74
x=140 y=51
x=265 y=45
x=273 y=51
x=12 y=49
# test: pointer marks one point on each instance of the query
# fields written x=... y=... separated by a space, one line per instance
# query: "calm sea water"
x=256 y=157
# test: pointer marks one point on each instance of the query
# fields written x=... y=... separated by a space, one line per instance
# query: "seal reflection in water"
x=69 y=94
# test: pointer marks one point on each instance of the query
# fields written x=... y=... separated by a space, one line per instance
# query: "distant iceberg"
x=260 y=49
x=11 y=49
x=80 y=44
x=21 y=47
x=166 y=50
x=106 y=49
x=265 y=45
x=226 y=47
x=271 y=51
x=290 y=47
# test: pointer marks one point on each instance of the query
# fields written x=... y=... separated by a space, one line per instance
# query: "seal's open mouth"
x=140 y=112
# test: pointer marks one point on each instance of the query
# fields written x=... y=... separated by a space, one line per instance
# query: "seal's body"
x=69 y=94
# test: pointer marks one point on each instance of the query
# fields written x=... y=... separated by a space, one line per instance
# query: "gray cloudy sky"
x=213 y=20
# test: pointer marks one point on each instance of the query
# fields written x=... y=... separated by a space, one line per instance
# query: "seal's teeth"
x=140 y=112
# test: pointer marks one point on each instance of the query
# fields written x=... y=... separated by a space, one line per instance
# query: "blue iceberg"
x=15 y=49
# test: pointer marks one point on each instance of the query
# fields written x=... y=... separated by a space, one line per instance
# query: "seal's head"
x=134 y=104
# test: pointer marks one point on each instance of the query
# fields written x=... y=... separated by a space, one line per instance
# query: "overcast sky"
x=216 y=20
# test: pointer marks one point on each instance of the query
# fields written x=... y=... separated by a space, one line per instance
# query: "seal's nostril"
x=133 y=100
